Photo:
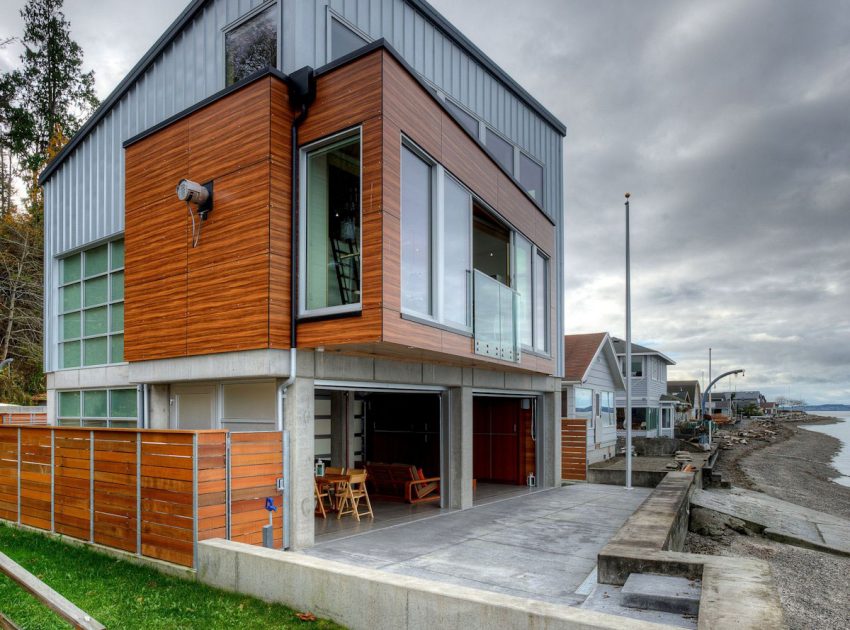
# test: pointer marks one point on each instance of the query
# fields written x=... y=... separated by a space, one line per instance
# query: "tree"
x=52 y=88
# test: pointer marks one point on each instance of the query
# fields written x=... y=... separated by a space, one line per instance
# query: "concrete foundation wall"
x=362 y=598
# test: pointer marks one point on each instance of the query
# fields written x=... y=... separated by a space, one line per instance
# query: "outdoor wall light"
x=199 y=197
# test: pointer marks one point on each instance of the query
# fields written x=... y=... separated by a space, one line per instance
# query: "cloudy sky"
x=727 y=120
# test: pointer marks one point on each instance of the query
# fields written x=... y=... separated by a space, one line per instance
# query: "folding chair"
x=353 y=490
x=321 y=494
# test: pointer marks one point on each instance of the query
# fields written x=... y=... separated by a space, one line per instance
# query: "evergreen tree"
x=52 y=88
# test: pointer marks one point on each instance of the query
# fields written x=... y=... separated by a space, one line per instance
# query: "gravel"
x=814 y=587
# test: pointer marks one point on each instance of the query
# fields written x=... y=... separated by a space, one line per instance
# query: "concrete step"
x=662 y=592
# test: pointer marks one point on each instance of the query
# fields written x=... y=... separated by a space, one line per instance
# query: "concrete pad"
x=780 y=520
x=607 y=598
x=662 y=592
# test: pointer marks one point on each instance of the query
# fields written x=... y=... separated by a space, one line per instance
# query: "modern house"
x=652 y=416
x=337 y=219
x=591 y=384
x=688 y=392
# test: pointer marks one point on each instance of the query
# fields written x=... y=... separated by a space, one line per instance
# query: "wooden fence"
x=574 y=449
x=149 y=492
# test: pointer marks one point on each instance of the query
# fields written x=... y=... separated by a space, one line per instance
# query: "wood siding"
x=573 y=449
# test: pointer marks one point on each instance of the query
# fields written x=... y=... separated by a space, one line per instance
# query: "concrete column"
x=159 y=406
x=549 y=428
x=459 y=447
x=299 y=420
x=338 y=412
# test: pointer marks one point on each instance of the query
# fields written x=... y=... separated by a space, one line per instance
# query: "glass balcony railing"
x=495 y=319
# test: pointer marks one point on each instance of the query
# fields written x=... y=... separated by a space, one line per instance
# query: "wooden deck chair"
x=335 y=488
x=321 y=495
x=353 y=491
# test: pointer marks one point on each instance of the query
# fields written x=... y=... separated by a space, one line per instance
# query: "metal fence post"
x=91 y=486
x=287 y=512
x=138 y=493
x=52 y=480
x=20 y=457
x=227 y=478
x=195 y=501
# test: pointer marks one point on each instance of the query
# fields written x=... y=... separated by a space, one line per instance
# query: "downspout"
x=301 y=86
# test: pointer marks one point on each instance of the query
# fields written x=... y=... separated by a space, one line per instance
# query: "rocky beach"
x=793 y=464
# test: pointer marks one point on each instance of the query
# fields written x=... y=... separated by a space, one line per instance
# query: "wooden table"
x=333 y=481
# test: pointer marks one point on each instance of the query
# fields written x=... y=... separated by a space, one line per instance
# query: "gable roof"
x=580 y=351
x=429 y=12
x=688 y=387
x=637 y=350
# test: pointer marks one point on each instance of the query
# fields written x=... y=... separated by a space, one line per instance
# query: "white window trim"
x=302 y=225
x=245 y=17
x=335 y=15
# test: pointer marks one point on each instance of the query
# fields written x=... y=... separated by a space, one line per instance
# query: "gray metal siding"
x=84 y=197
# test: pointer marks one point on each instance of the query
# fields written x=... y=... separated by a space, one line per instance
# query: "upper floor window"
x=251 y=44
x=502 y=150
x=92 y=307
x=531 y=177
x=330 y=226
x=343 y=39
x=466 y=120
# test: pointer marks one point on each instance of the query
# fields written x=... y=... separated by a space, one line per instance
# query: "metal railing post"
x=20 y=457
x=52 y=480
x=195 y=501
x=227 y=493
x=138 y=493
x=91 y=486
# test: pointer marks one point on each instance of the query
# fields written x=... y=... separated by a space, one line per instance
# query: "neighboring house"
x=651 y=416
x=733 y=403
x=592 y=381
x=409 y=245
x=689 y=392
x=720 y=403
x=768 y=408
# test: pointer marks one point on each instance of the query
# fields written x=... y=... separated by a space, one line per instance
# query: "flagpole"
x=628 y=370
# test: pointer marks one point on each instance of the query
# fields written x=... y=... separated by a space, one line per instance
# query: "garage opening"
x=395 y=438
x=504 y=445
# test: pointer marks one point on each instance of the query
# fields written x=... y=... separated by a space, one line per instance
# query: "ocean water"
x=840 y=430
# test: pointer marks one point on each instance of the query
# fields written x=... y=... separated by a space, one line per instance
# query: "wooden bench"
x=401 y=482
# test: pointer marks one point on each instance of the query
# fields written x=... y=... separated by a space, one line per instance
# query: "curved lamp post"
x=705 y=395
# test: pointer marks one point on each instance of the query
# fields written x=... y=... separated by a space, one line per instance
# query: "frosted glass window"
x=94 y=404
x=71 y=269
x=502 y=150
x=415 y=233
x=457 y=213
x=524 y=288
x=249 y=401
x=97 y=260
x=251 y=46
x=343 y=40
x=84 y=306
x=69 y=404
x=332 y=230
x=122 y=403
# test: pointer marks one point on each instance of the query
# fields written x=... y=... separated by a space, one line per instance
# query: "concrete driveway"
x=541 y=545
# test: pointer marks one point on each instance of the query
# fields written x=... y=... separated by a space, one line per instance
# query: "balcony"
x=495 y=319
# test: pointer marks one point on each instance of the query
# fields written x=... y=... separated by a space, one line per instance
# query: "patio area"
x=539 y=544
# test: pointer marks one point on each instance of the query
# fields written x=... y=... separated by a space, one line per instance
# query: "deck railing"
x=155 y=493
x=495 y=318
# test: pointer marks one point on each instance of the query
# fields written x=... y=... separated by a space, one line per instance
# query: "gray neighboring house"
x=592 y=381
x=731 y=403
x=688 y=391
x=651 y=415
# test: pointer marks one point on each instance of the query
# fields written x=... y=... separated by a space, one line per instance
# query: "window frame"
x=335 y=138
x=518 y=172
x=108 y=418
x=242 y=19
x=335 y=15
x=109 y=304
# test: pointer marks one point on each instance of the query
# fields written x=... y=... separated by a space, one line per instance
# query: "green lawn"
x=123 y=595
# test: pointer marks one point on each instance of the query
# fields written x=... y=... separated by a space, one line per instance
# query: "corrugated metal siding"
x=85 y=195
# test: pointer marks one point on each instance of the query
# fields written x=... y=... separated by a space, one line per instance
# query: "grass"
x=120 y=594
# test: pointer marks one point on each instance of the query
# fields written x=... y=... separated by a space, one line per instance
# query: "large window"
x=435 y=241
x=523 y=252
x=251 y=45
x=343 y=39
x=92 y=307
x=98 y=408
x=637 y=366
x=584 y=403
x=607 y=411
x=330 y=227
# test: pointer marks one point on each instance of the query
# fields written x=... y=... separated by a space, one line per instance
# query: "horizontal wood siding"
x=23 y=418
x=574 y=449
x=256 y=464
